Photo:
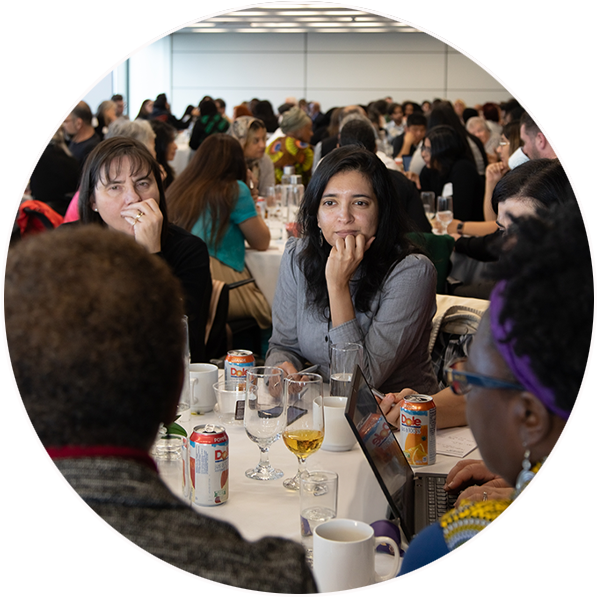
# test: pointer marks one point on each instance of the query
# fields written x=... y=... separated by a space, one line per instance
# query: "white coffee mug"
x=338 y=435
x=202 y=378
x=344 y=555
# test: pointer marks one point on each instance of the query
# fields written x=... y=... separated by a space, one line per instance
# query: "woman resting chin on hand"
x=354 y=276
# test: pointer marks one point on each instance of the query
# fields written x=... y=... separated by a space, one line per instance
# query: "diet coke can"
x=236 y=363
x=417 y=429
x=209 y=465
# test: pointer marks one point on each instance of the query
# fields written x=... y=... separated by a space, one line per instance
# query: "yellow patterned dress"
x=285 y=151
x=545 y=545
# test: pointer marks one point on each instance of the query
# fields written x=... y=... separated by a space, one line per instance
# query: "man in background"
x=80 y=132
x=535 y=143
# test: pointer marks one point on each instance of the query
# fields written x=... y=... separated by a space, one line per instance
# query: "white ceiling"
x=327 y=17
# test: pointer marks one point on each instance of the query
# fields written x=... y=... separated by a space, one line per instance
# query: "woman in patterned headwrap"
x=524 y=369
x=251 y=133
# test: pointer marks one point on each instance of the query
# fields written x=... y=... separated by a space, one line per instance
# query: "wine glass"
x=428 y=200
x=444 y=212
x=305 y=427
x=264 y=416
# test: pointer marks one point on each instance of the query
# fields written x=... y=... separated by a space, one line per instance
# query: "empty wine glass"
x=303 y=434
x=264 y=416
x=428 y=200
x=444 y=212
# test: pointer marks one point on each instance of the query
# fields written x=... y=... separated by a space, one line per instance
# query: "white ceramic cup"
x=344 y=555
x=338 y=435
x=202 y=394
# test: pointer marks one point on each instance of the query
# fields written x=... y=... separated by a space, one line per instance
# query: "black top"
x=397 y=144
x=55 y=178
x=411 y=201
x=485 y=248
x=80 y=150
x=467 y=188
x=187 y=255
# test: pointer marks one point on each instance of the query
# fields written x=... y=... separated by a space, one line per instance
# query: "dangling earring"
x=5 y=459
x=320 y=237
x=526 y=475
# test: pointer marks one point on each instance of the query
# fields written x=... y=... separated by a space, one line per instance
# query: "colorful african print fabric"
x=545 y=545
x=286 y=151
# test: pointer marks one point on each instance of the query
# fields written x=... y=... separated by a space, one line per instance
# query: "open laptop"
x=415 y=499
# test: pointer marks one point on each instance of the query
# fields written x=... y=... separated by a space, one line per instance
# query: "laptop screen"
x=382 y=450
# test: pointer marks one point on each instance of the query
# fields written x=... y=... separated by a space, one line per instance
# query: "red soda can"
x=417 y=429
x=209 y=465
x=236 y=363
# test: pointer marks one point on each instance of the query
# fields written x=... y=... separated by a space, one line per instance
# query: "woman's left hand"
x=344 y=259
x=146 y=219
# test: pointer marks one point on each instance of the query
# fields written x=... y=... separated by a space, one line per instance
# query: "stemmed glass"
x=428 y=200
x=444 y=212
x=264 y=416
x=305 y=427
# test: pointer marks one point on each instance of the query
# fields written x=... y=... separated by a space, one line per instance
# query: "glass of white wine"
x=445 y=213
x=428 y=200
x=305 y=429
x=264 y=416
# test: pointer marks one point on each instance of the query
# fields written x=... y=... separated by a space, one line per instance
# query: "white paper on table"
x=456 y=441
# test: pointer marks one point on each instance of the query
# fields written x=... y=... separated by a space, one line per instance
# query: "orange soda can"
x=417 y=429
x=236 y=364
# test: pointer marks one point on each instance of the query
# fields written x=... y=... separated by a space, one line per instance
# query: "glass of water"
x=428 y=200
x=445 y=213
x=342 y=359
x=318 y=503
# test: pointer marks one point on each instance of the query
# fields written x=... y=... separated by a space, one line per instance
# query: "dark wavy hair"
x=165 y=135
x=447 y=147
x=390 y=246
x=209 y=184
x=549 y=298
x=97 y=168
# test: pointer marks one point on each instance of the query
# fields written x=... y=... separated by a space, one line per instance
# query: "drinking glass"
x=318 y=503
x=428 y=200
x=444 y=212
x=264 y=416
x=305 y=427
x=342 y=359
x=275 y=210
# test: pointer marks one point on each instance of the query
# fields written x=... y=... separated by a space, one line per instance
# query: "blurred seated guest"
x=357 y=130
x=449 y=160
x=478 y=127
x=459 y=108
x=221 y=107
x=524 y=369
x=293 y=148
x=468 y=113
x=18 y=114
x=406 y=143
x=241 y=111
x=355 y=277
x=80 y=132
x=208 y=123
x=105 y=115
x=329 y=139
x=535 y=143
x=426 y=107
x=166 y=148
x=318 y=118
x=120 y=106
x=93 y=324
x=251 y=133
x=146 y=109
x=211 y=200
x=321 y=128
x=139 y=130
x=56 y=175
x=161 y=111
x=491 y=113
x=263 y=110
x=121 y=189
x=395 y=126
x=190 y=115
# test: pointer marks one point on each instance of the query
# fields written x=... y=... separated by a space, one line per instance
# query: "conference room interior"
x=317 y=52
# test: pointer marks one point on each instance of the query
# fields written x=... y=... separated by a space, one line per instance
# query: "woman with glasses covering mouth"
x=522 y=375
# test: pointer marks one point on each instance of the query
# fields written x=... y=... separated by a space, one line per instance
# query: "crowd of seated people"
x=352 y=273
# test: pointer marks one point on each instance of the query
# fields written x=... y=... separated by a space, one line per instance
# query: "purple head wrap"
x=519 y=365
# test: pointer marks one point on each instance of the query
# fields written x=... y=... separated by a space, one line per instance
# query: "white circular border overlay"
x=282 y=4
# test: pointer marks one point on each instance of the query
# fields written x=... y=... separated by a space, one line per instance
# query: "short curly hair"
x=549 y=297
x=95 y=336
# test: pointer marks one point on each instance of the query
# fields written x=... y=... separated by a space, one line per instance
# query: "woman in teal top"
x=211 y=199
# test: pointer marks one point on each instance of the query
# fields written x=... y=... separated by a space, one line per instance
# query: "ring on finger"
x=485 y=496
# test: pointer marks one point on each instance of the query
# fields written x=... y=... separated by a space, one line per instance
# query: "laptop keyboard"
x=440 y=501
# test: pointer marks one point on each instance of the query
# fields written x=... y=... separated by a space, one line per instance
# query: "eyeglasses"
x=462 y=382
x=503 y=143
x=425 y=149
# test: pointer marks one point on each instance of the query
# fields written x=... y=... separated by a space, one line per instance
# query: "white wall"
x=338 y=69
